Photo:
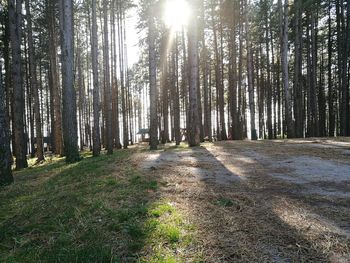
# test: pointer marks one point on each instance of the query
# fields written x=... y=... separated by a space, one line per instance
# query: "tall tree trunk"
x=221 y=129
x=108 y=101
x=184 y=82
x=261 y=90
x=204 y=71
x=240 y=112
x=122 y=74
x=194 y=129
x=284 y=61
x=29 y=102
x=269 y=86
x=115 y=83
x=7 y=67
x=322 y=100
x=164 y=87
x=250 y=72
x=175 y=89
x=314 y=85
x=274 y=81
x=5 y=151
x=233 y=76
x=152 y=81
x=70 y=131
x=346 y=71
x=331 y=90
x=81 y=97
x=96 y=146
x=34 y=87
x=15 y=19
x=56 y=93
x=298 y=96
x=127 y=125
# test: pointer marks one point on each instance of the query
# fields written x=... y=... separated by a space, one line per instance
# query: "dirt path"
x=264 y=201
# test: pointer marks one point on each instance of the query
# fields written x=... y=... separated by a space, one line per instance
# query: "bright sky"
x=132 y=37
x=176 y=14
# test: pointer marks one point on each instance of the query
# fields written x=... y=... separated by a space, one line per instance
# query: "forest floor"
x=241 y=201
x=262 y=201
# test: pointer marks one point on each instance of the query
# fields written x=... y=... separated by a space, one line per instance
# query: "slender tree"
x=108 y=93
x=298 y=66
x=152 y=80
x=250 y=73
x=283 y=9
x=96 y=146
x=55 y=87
x=34 y=86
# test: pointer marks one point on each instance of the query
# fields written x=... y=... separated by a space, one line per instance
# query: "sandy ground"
x=263 y=201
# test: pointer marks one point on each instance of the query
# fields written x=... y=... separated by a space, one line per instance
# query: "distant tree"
x=175 y=93
x=298 y=78
x=34 y=86
x=55 y=86
x=108 y=93
x=250 y=76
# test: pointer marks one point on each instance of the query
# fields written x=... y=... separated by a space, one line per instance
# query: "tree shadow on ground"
x=239 y=218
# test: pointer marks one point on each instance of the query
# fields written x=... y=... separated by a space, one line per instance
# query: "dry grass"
x=258 y=218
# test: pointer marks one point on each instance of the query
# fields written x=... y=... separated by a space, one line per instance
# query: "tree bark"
x=108 y=93
x=56 y=93
x=96 y=141
x=70 y=131
x=250 y=72
x=284 y=61
x=176 y=97
x=15 y=18
x=331 y=90
x=5 y=151
x=269 y=86
x=345 y=121
x=153 y=82
x=298 y=96
x=194 y=129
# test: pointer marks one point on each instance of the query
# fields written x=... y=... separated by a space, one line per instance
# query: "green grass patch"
x=170 y=233
x=100 y=209
x=162 y=209
x=224 y=202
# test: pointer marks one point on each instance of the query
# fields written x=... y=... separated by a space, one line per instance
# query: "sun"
x=176 y=13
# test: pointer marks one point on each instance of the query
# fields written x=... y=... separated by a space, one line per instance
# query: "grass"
x=224 y=202
x=98 y=210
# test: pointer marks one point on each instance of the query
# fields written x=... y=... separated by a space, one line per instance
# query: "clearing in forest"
x=238 y=201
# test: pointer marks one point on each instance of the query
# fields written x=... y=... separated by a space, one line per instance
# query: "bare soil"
x=262 y=201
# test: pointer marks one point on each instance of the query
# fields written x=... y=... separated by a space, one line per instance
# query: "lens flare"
x=176 y=14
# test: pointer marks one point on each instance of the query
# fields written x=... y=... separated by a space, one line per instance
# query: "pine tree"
x=69 y=113
x=15 y=19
